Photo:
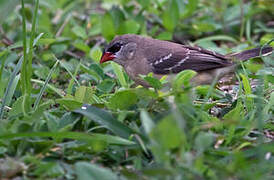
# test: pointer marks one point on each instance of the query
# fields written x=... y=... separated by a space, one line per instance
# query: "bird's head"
x=121 y=49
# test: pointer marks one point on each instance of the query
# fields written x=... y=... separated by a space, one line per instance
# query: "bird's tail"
x=251 y=53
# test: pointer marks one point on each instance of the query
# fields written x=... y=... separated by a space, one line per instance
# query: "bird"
x=141 y=55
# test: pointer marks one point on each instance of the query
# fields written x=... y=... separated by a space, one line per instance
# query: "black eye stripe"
x=115 y=47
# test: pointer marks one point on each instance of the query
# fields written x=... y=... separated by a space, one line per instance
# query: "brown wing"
x=193 y=58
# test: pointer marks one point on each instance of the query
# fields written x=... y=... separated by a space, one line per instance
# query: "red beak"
x=107 y=56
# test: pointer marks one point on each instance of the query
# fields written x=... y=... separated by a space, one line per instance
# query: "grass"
x=65 y=116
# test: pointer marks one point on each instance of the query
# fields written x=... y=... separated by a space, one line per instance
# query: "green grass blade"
x=210 y=91
x=51 y=87
x=38 y=99
x=32 y=36
x=70 y=73
x=90 y=72
x=247 y=89
x=70 y=86
x=10 y=85
x=24 y=82
x=37 y=39
x=90 y=137
x=248 y=30
x=12 y=90
x=2 y=65
x=216 y=38
x=28 y=50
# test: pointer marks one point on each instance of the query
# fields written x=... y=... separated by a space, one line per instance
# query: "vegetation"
x=65 y=116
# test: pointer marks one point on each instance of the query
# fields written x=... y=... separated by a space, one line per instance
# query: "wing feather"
x=194 y=58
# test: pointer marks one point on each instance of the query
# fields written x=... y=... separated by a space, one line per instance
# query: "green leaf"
x=153 y=82
x=147 y=122
x=42 y=72
x=26 y=104
x=190 y=8
x=119 y=73
x=167 y=133
x=58 y=48
x=80 y=32
x=183 y=79
x=90 y=171
x=268 y=60
x=65 y=66
x=118 y=17
x=12 y=90
x=52 y=122
x=39 y=112
x=158 y=173
x=253 y=67
x=69 y=103
x=144 y=93
x=10 y=86
x=165 y=36
x=129 y=27
x=267 y=38
x=235 y=114
x=68 y=120
x=122 y=100
x=16 y=107
x=81 y=46
x=144 y=3
x=74 y=79
x=171 y=15
x=104 y=118
x=46 y=41
x=106 y=86
x=107 y=26
x=49 y=169
x=247 y=88
x=96 y=54
x=246 y=84
x=203 y=27
x=203 y=90
x=203 y=141
x=84 y=94
x=91 y=72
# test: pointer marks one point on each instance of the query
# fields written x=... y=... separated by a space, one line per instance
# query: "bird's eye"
x=115 y=47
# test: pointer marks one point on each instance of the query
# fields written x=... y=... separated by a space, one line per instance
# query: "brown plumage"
x=142 y=55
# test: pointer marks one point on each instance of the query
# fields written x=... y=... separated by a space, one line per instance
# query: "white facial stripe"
x=118 y=53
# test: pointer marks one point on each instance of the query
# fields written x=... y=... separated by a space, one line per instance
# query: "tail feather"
x=252 y=53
